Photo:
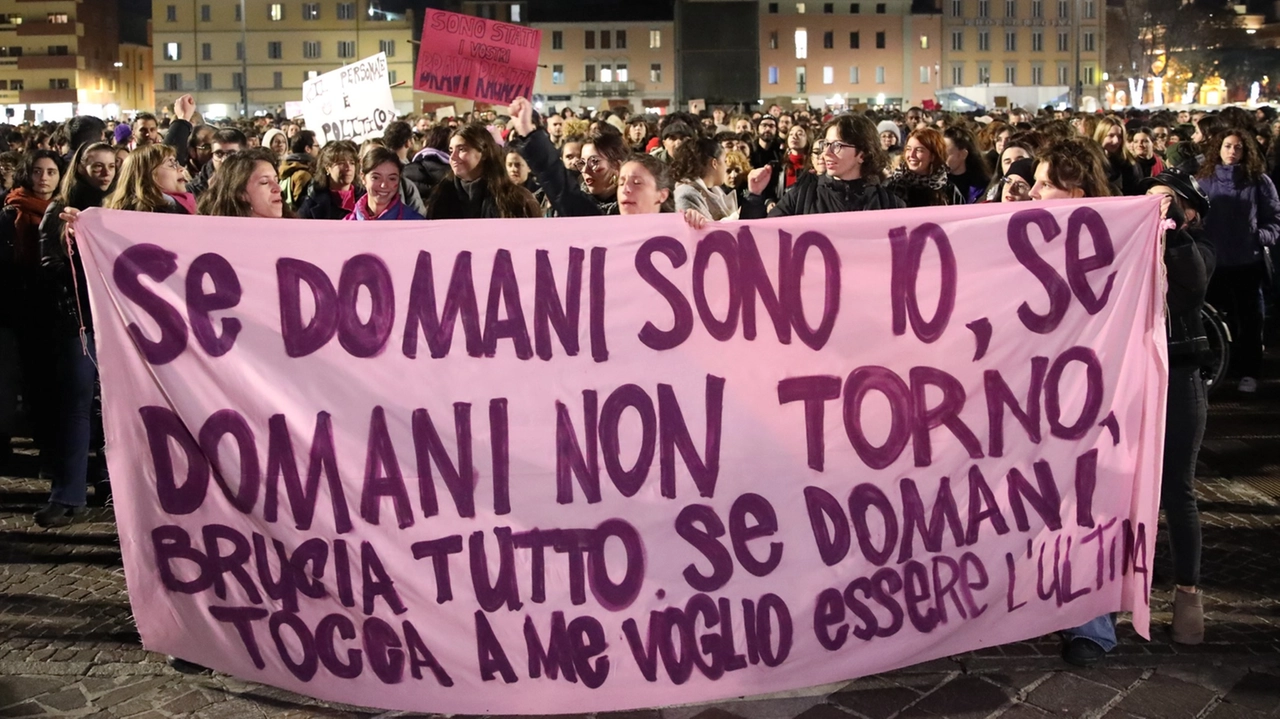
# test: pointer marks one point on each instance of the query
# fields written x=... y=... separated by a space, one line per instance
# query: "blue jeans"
x=78 y=374
x=1101 y=631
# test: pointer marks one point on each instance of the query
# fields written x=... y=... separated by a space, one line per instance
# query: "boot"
x=1188 y=617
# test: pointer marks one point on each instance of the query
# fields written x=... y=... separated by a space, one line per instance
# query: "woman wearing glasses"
x=850 y=149
x=603 y=154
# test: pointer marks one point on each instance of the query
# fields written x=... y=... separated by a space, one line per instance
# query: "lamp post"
x=244 y=63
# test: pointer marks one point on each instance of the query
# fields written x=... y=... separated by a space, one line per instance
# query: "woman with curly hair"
x=700 y=169
x=1244 y=225
x=922 y=179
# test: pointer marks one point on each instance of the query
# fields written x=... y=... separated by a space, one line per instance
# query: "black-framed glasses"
x=837 y=148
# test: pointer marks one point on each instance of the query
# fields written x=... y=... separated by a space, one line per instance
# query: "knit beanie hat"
x=890 y=126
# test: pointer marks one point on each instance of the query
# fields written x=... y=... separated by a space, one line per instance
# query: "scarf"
x=364 y=212
x=26 y=224
x=185 y=200
x=905 y=178
x=794 y=166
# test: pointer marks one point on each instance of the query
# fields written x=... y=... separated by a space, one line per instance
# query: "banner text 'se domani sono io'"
x=580 y=465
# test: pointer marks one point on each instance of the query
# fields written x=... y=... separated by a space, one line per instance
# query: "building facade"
x=1025 y=53
x=226 y=61
x=848 y=54
x=136 y=90
x=57 y=59
x=607 y=64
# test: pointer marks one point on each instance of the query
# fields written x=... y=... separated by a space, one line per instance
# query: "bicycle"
x=1216 y=330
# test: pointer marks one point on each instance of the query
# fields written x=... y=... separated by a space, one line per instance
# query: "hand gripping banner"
x=574 y=465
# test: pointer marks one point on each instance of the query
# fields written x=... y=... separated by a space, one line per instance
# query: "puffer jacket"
x=820 y=194
x=1245 y=216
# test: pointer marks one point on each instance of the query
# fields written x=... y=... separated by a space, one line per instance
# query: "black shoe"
x=54 y=515
x=185 y=667
x=1082 y=652
x=101 y=494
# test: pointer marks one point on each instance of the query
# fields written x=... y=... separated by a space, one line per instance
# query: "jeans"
x=1183 y=433
x=1237 y=291
x=1101 y=630
x=78 y=374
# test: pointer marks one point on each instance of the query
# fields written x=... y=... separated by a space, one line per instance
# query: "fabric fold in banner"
x=577 y=465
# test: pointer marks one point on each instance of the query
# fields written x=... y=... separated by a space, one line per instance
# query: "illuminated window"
x=924 y=42
x=655 y=39
x=173 y=51
x=828 y=75
x=802 y=44
x=275 y=12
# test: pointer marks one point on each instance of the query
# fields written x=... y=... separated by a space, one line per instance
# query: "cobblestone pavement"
x=68 y=647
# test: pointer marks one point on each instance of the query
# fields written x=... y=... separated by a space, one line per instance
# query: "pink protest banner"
x=475 y=58
x=514 y=466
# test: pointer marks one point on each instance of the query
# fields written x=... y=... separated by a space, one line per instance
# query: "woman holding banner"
x=90 y=179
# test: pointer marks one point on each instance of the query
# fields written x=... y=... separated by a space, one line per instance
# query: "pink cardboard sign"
x=579 y=465
x=479 y=59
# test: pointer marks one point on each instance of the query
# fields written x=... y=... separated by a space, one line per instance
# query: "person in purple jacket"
x=1245 y=221
x=380 y=171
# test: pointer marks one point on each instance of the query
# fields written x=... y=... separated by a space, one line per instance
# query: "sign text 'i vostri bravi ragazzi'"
x=476 y=58
x=592 y=464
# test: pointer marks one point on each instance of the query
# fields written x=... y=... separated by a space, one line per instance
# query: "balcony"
x=607 y=89
x=31 y=97
x=50 y=62
x=41 y=29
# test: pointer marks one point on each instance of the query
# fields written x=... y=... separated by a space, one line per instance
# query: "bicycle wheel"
x=1215 y=328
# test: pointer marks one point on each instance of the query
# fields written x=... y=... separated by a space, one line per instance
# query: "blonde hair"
x=136 y=189
x=1105 y=125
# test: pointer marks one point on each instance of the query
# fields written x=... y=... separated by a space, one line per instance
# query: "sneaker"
x=1083 y=652
x=183 y=666
x=1188 y=617
x=54 y=515
x=1248 y=385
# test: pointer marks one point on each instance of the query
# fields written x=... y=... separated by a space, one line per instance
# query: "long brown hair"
x=512 y=200
x=73 y=177
x=1251 y=163
x=135 y=188
x=330 y=154
x=932 y=141
x=227 y=195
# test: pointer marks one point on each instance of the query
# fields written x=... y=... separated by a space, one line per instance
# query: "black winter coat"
x=426 y=172
x=820 y=194
x=1189 y=262
x=561 y=186
x=321 y=204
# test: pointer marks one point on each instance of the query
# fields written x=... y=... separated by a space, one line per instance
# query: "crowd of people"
x=1214 y=172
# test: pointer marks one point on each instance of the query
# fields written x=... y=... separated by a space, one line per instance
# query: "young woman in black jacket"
x=89 y=180
x=603 y=155
x=855 y=163
x=1189 y=262
x=333 y=191
x=478 y=185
